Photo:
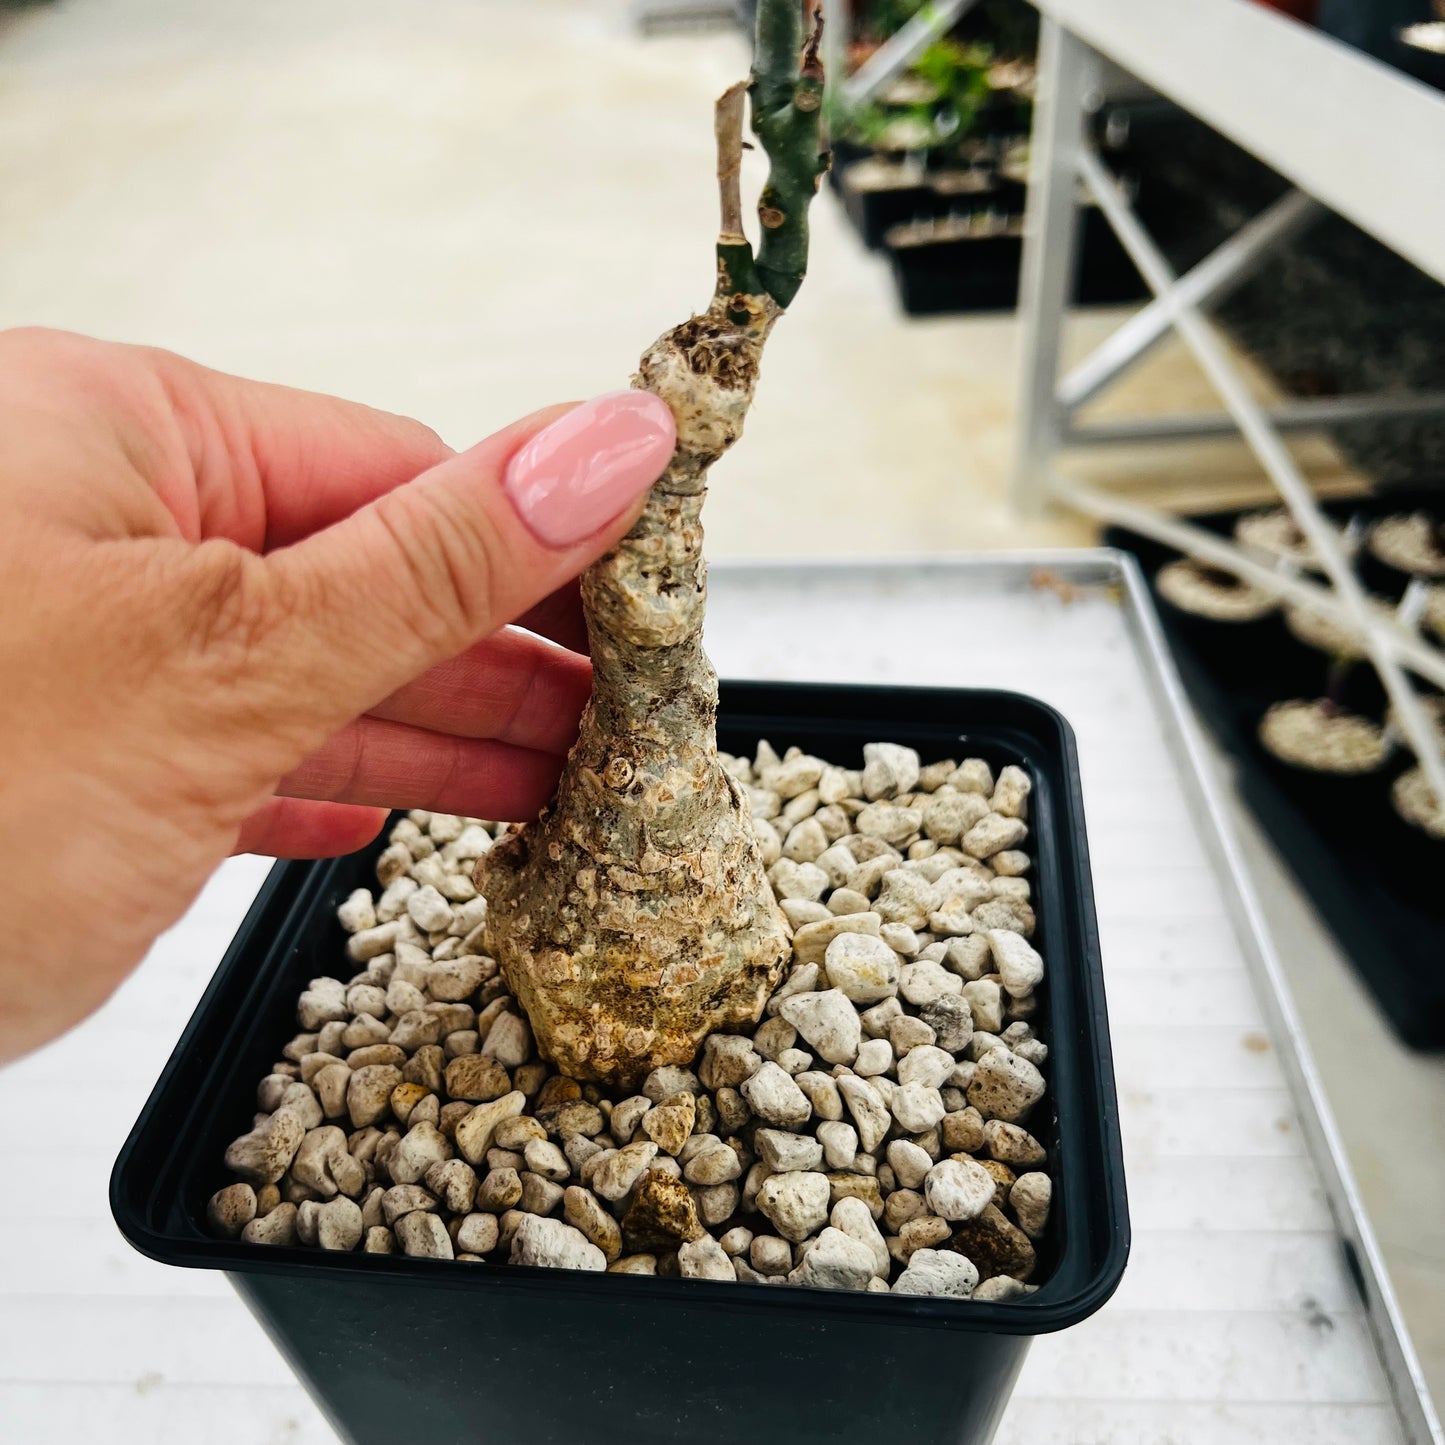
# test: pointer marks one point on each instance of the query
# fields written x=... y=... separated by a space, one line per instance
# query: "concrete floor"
x=468 y=212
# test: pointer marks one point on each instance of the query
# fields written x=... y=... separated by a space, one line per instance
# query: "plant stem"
x=787 y=97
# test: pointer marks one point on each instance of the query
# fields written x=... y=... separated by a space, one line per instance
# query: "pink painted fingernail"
x=590 y=465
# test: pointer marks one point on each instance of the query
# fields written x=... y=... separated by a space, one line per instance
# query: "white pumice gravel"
x=866 y=1134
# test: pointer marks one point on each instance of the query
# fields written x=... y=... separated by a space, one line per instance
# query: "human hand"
x=237 y=617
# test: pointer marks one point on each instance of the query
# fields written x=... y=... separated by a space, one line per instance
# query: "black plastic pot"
x=411 y=1349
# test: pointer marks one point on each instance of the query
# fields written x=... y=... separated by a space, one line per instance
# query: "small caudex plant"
x=635 y=917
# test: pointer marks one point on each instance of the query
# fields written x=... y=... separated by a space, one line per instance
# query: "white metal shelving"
x=1377 y=160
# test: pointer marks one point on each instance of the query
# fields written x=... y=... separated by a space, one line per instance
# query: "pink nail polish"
x=589 y=465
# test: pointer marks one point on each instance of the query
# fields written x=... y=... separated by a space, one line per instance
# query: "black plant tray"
x=413 y=1349
x=982 y=273
x=1378 y=883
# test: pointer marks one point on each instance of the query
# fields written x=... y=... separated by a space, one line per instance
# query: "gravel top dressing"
x=870 y=1133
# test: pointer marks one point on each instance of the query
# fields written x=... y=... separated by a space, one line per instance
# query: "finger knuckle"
x=447 y=568
x=232 y=603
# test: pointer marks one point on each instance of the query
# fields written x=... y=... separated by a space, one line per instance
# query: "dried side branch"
x=728 y=128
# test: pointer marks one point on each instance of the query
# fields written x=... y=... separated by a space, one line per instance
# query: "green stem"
x=787 y=98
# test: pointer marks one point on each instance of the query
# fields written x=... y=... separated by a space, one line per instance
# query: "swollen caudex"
x=634 y=917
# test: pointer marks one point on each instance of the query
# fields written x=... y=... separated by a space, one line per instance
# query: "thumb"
x=435 y=565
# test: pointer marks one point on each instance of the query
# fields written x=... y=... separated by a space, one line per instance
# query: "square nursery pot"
x=413 y=1349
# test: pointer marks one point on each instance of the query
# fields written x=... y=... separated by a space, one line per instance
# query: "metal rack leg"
x=1067 y=68
x=1265 y=442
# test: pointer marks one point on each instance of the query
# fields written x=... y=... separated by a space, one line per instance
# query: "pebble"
x=909 y=1163
x=901 y=939
x=770 y=1255
x=1011 y=792
x=878 y=1020
x=474 y=1133
x=231 y=1209
x=995 y=1245
x=1007 y=914
x=336 y=1225
x=903 y=1205
x=822 y=1093
x=784 y=1152
x=848 y=900
x=924 y=983
x=889 y=824
x=859 y=964
x=716 y=1203
x=554 y=1244
x=906 y=898
x=917 y=1108
x=937 y=1272
x=635 y=1264
x=669 y=1123
x=963 y=1131
x=796 y=1204
x=728 y=1061
x=662 y=1215
x=773 y=1096
x=545 y=1158
x=840 y=1144
x=958 y=1189
x=805 y=881
x=888 y=769
x=985 y=1001
x=705 y=1258
x=1012 y=1145
x=717 y=1164
x=853 y=1218
x=618 y=1174
x=801 y=911
x=870 y=1114
x=926 y=1065
x=774 y=1036
x=969 y=957
x=1005 y=1086
x=627 y=1115
x=993 y=834
x=1020 y=966
x=583 y=1211
x=1002 y=1287
x=423 y=1235
x=828 y=1021
x=1029 y=1198
x=276 y=1226
x=923 y=1232
x=265 y=1154
x=836 y=1261
x=874 y=1057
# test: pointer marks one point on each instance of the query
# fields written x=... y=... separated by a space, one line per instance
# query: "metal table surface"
x=1238 y=1319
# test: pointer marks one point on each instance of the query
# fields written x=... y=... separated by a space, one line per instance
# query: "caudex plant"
x=634 y=917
